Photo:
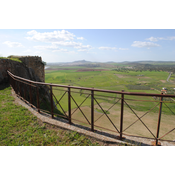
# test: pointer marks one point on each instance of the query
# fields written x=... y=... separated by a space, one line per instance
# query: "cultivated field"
x=111 y=79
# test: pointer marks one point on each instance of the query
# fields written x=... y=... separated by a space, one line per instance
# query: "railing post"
x=69 y=104
x=14 y=86
x=17 y=87
x=92 y=110
x=38 y=104
x=51 y=101
x=121 y=115
x=30 y=94
x=25 y=91
x=22 y=94
x=158 y=124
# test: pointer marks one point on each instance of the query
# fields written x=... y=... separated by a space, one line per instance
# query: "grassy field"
x=113 y=80
x=18 y=127
x=129 y=81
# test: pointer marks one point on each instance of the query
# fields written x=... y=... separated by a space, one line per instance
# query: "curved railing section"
x=125 y=113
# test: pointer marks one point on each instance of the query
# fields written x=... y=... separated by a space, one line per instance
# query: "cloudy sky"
x=101 y=45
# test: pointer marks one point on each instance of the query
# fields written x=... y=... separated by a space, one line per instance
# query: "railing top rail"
x=94 y=89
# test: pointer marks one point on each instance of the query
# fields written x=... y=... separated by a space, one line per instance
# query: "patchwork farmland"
x=117 y=78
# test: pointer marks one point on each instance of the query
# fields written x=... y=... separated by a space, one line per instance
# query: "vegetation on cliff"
x=12 y=58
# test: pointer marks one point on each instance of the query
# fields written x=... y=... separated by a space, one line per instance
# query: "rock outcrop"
x=30 y=68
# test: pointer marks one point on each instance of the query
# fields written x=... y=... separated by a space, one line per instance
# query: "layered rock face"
x=34 y=63
x=31 y=68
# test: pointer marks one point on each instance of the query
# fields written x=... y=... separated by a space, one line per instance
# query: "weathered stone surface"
x=31 y=68
x=14 y=67
x=35 y=63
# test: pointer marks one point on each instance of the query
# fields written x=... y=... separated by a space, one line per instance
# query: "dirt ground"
x=85 y=70
x=119 y=75
x=163 y=81
x=139 y=128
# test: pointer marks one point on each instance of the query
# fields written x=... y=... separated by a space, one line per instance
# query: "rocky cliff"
x=29 y=67
x=32 y=68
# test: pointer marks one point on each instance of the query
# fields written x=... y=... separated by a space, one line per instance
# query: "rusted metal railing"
x=41 y=96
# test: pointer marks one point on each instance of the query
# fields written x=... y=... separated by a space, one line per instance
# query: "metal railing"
x=44 y=97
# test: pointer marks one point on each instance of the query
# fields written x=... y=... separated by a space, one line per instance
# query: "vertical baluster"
x=30 y=94
x=22 y=88
x=92 y=110
x=25 y=91
x=51 y=101
x=69 y=104
x=15 y=86
x=159 y=118
x=121 y=115
x=38 y=103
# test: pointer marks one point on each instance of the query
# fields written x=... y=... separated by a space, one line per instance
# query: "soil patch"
x=163 y=81
x=138 y=129
x=119 y=75
x=61 y=68
x=85 y=70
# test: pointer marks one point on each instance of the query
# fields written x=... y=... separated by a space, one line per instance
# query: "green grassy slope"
x=19 y=127
x=129 y=81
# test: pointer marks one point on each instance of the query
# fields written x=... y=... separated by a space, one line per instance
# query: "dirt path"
x=169 y=76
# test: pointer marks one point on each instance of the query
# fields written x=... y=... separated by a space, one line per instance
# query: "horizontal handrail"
x=94 y=89
x=19 y=85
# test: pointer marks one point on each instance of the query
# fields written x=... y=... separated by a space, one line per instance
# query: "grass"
x=18 y=127
x=130 y=81
x=14 y=59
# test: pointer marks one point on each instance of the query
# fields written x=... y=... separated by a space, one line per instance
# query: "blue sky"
x=100 y=45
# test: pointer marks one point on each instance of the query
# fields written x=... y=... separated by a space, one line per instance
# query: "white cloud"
x=82 y=50
x=32 y=32
x=112 y=48
x=123 y=48
x=13 y=44
x=171 y=38
x=144 y=44
x=66 y=44
x=72 y=52
x=152 y=39
x=83 y=47
x=50 y=36
x=107 y=48
x=81 y=38
x=52 y=47
x=57 y=39
x=72 y=44
x=60 y=50
x=160 y=38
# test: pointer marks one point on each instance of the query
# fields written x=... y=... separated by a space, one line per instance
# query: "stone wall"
x=16 y=68
x=35 y=64
x=31 y=68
